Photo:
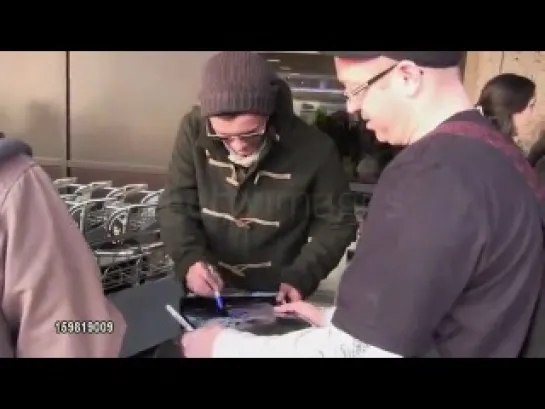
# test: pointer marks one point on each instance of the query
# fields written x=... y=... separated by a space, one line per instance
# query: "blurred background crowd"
x=364 y=157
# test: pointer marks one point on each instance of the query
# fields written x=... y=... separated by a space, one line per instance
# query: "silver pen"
x=181 y=320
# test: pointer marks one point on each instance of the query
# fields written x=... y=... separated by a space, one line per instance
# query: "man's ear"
x=410 y=71
x=411 y=75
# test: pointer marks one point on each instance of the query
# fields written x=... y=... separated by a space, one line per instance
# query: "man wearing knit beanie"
x=249 y=184
x=450 y=262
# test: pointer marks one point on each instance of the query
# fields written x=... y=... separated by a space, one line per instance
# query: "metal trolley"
x=120 y=226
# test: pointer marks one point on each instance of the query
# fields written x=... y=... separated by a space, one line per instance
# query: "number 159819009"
x=74 y=327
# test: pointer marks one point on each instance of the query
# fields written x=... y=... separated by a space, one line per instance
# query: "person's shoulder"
x=431 y=165
x=468 y=130
x=537 y=152
x=462 y=142
x=470 y=154
x=192 y=124
x=540 y=170
x=416 y=169
x=15 y=161
x=20 y=171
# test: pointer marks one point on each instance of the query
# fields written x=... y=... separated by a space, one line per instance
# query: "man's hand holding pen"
x=203 y=280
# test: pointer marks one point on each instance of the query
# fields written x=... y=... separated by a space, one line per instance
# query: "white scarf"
x=245 y=161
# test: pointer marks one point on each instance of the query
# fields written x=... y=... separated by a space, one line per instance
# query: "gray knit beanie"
x=237 y=82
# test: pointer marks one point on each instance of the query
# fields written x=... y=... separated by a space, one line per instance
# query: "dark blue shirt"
x=451 y=256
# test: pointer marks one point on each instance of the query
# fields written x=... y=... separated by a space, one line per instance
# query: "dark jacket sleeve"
x=333 y=227
x=178 y=209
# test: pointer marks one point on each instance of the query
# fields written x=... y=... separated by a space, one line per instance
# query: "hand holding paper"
x=304 y=310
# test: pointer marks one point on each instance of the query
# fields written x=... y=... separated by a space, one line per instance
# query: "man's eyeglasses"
x=365 y=86
x=246 y=136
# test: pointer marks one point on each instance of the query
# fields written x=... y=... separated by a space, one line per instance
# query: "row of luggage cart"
x=119 y=224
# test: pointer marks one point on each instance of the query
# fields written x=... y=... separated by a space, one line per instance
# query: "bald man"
x=451 y=259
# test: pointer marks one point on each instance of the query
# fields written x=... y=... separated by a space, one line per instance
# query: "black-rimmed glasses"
x=246 y=136
x=365 y=86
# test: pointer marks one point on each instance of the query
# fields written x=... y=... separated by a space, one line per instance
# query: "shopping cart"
x=100 y=209
x=70 y=190
x=120 y=226
x=129 y=262
x=137 y=277
x=138 y=194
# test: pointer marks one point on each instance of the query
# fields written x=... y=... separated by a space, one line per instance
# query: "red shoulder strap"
x=498 y=141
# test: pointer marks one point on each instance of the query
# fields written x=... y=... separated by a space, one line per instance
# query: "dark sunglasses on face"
x=245 y=136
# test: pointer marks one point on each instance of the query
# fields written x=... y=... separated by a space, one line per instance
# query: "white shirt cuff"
x=326 y=342
x=327 y=315
x=231 y=343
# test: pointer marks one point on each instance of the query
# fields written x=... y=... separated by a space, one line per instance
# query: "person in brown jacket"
x=51 y=297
